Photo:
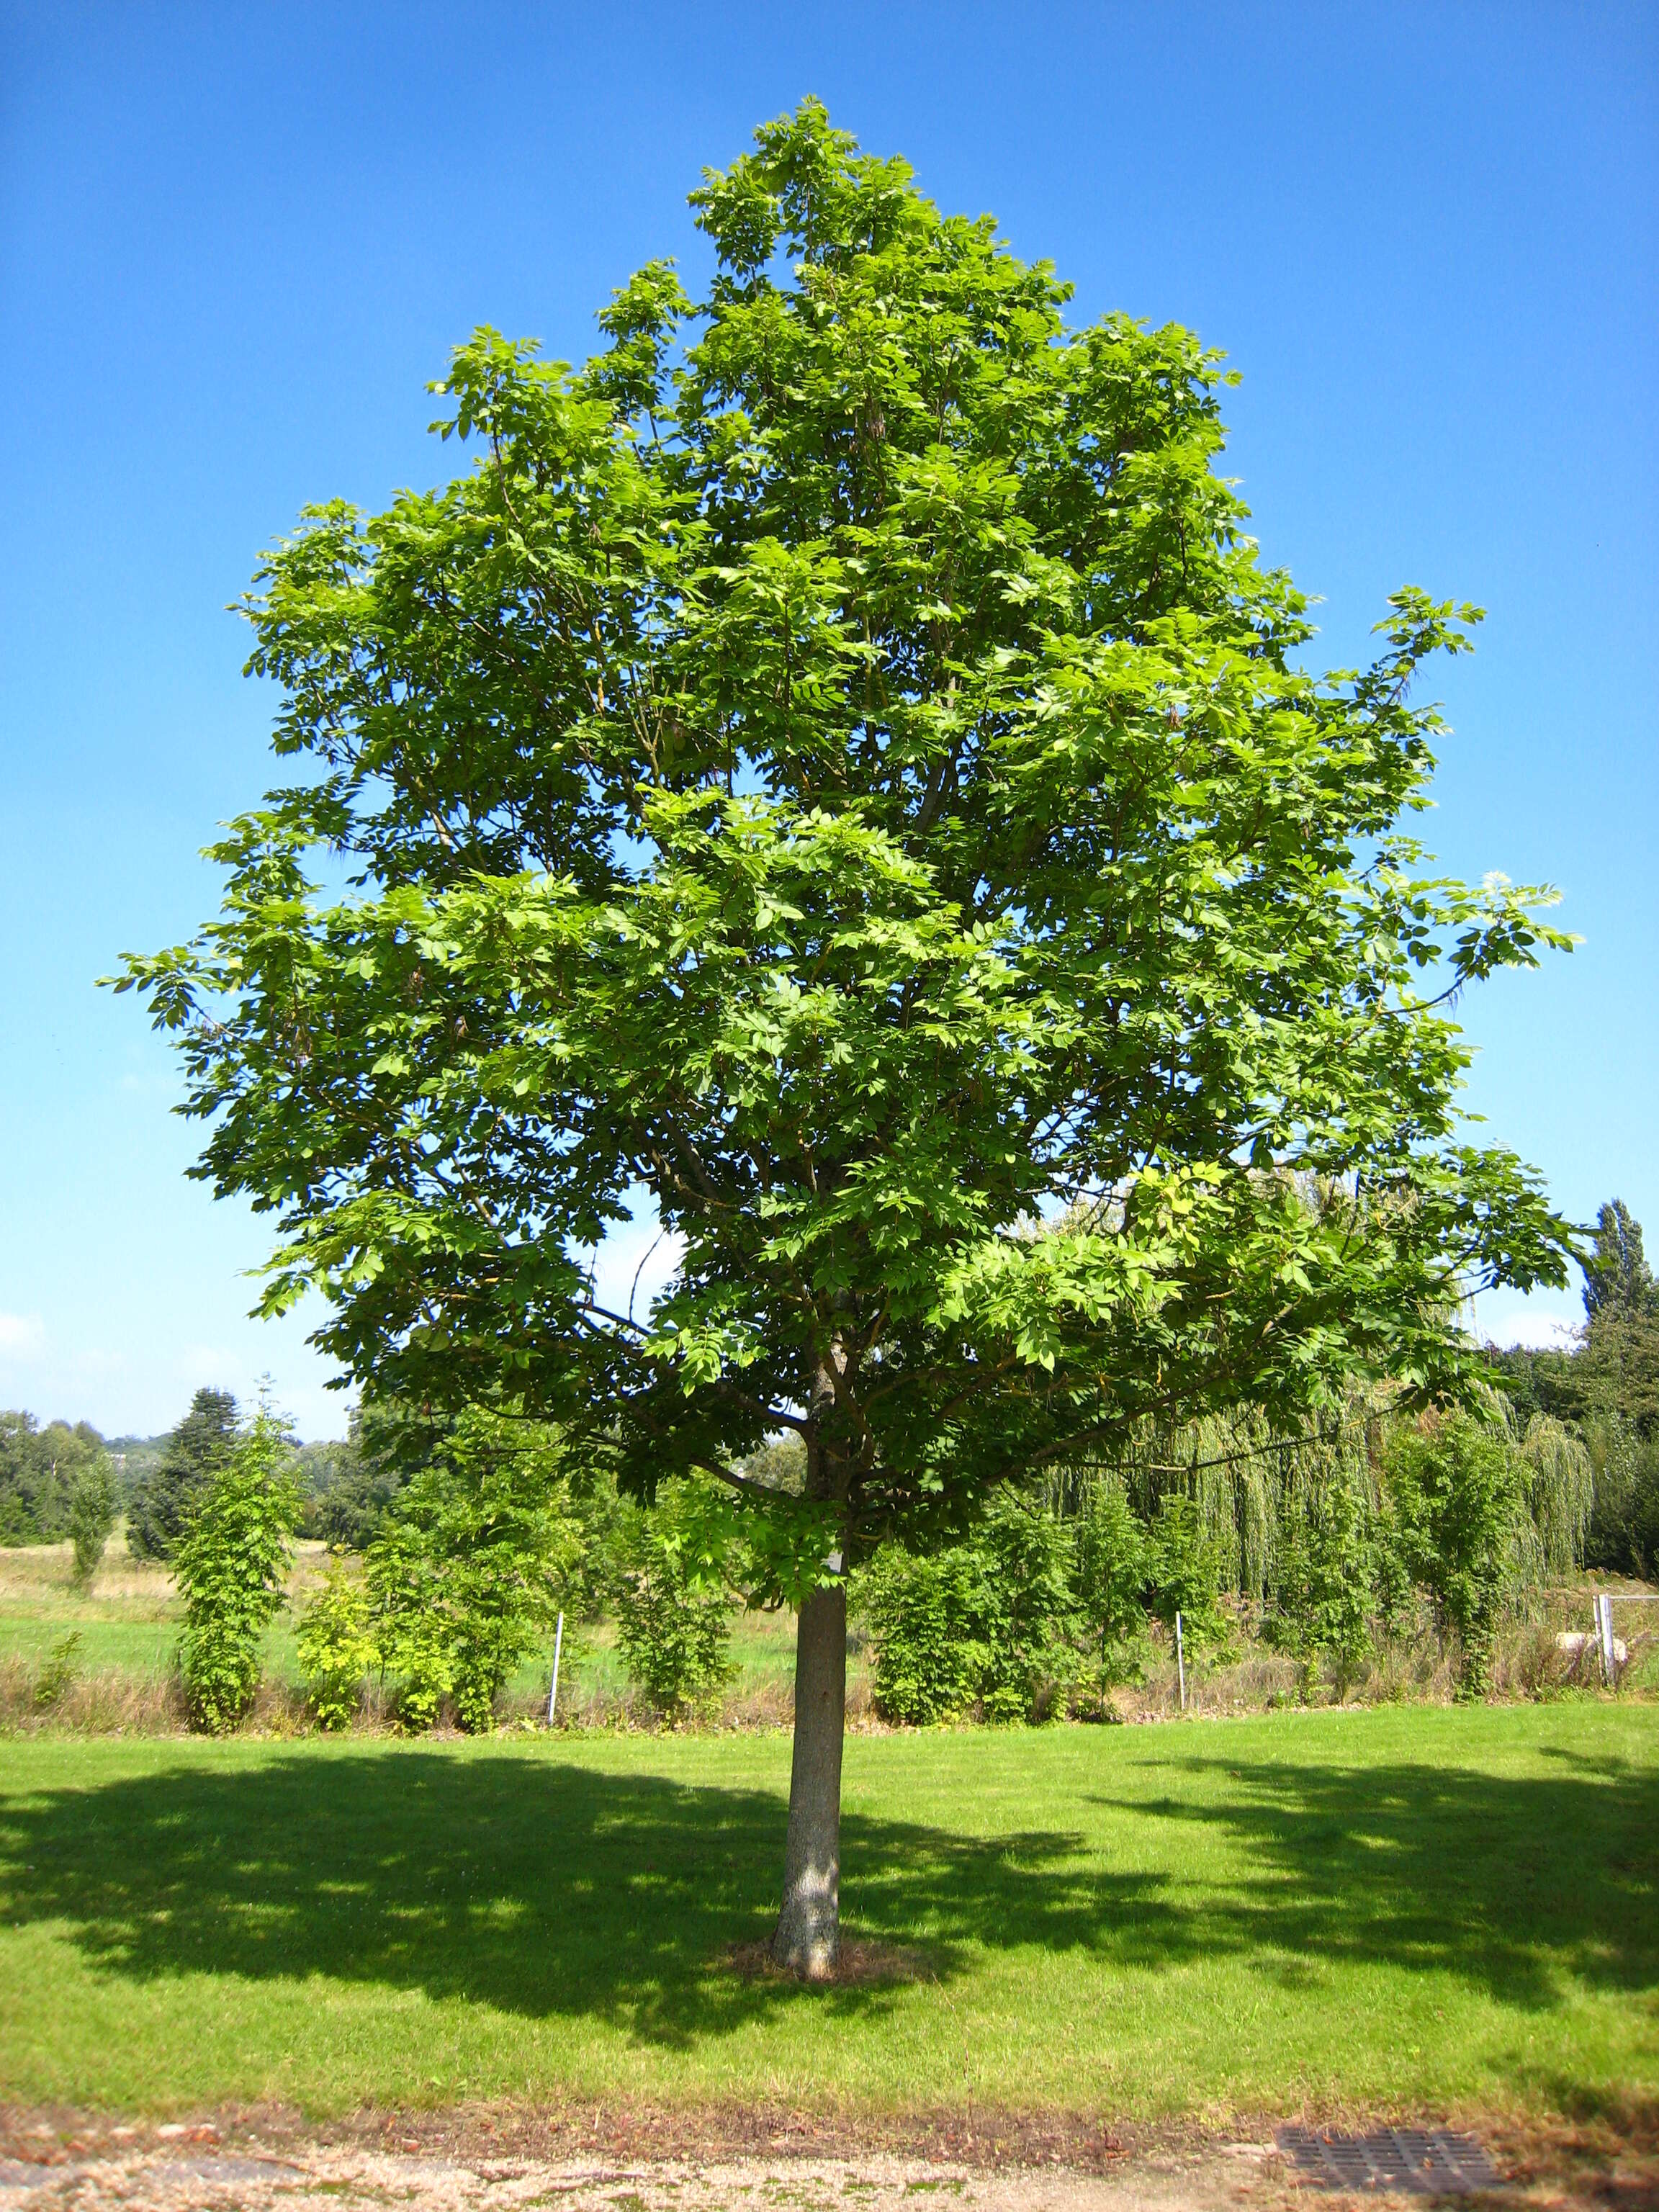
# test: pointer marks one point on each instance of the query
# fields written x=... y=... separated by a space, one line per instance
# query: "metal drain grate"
x=1430 y=2160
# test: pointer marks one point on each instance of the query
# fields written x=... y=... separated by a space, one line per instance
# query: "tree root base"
x=859 y=1965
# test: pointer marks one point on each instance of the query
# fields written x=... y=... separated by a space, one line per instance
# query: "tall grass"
x=1413 y=1666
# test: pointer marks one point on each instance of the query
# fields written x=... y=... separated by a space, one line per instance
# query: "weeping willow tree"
x=1249 y=1480
x=1254 y=1485
x=1559 y=1497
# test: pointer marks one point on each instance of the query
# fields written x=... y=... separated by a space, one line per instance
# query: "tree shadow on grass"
x=547 y=1887
x=1517 y=1884
x=534 y=1887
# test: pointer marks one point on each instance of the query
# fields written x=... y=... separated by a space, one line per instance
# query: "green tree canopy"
x=836 y=769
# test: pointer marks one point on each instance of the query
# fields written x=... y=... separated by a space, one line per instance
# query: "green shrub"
x=671 y=1590
x=1458 y=1491
x=1326 y=1583
x=1184 y=1575
x=471 y=1566
x=926 y=1664
x=1113 y=1564
x=91 y=1514
x=63 y=1665
x=230 y=1565
x=410 y=1628
x=1024 y=1619
x=337 y=1646
x=987 y=1623
x=1391 y=1574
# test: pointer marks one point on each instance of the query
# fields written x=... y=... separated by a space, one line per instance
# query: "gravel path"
x=335 y=2179
x=751 y=2161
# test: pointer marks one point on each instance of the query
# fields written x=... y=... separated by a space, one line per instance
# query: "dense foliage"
x=982 y=1624
x=1053 y=1598
x=838 y=766
x=1458 y=1491
x=1605 y=1390
x=91 y=1514
x=669 y=1587
x=466 y=1570
x=1328 y=1588
x=1041 y=1609
x=231 y=1565
x=1113 y=1570
x=41 y=1470
x=165 y=1500
x=337 y=1646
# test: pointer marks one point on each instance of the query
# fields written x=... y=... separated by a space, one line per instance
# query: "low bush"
x=989 y=1624
x=62 y=1668
x=1112 y=1565
x=1027 y=1626
x=1457 y=1487
x=337 y=1646
x=1327 y=1595
x=1184 y=1577
x=925 y=1663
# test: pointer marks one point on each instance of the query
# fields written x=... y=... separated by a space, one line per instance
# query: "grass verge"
x=1401 y=1910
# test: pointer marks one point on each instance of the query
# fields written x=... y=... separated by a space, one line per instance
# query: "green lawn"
x=1399 y=1908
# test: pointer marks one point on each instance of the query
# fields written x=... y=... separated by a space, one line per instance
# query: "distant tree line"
x=40 y=1471
x=343 y=1486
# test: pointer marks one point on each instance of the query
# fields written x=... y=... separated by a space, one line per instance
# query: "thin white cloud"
x=191 y=1363
x=1526 y=1330
x=22 y=1336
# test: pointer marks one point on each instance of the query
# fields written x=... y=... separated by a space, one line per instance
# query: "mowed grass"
x=1398 y=1909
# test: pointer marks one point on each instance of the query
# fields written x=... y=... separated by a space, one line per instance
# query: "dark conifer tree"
x=199 y=1445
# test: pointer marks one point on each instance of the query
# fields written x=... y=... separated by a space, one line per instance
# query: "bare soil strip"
x=633 y=2159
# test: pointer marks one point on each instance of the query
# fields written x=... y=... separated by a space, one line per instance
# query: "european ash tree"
x=834 y=767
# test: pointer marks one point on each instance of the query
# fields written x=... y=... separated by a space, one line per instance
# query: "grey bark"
x=808 y=1937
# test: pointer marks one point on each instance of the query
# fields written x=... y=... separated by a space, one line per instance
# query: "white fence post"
x=1180 y=1662
x=558 y=1646
x=1604 y=1626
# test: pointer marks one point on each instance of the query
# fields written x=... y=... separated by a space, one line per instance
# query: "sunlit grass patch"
x=1401 y=1910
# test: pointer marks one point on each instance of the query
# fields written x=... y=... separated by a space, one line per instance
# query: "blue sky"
x=236 y=242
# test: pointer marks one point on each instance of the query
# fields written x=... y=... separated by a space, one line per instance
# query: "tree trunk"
x=808 y=1937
